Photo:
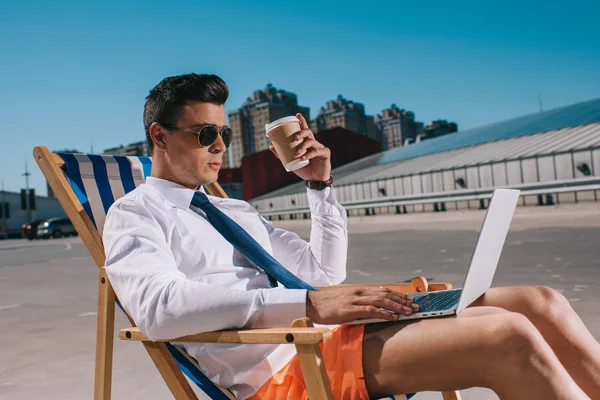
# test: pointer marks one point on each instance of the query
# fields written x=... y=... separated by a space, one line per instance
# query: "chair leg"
x=454 y=395
x=172 y=375
x=313 y=367
x=104 y=338
x=178 y=385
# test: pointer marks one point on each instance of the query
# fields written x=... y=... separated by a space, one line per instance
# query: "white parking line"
x=8 y=307
x=87 y=314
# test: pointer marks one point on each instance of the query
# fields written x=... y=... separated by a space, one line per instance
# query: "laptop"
x=483 y=264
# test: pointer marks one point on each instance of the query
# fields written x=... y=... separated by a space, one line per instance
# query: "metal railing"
x=531 y=189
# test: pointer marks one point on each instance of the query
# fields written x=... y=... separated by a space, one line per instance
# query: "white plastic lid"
x=279 y=122
x=296 y=164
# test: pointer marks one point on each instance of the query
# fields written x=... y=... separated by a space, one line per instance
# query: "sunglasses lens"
x=226 y=134
x=208 y=135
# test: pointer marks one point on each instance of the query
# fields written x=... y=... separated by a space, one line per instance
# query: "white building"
x=12 y=216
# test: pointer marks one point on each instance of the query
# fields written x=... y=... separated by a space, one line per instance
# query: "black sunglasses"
x=207 y=134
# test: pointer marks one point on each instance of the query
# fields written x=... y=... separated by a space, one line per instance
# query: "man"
x=176 y=275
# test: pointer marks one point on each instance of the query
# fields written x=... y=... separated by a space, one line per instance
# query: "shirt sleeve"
x=162 y=301
x=322 y=260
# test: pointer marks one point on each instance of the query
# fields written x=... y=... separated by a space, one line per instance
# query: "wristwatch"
x=319 y=185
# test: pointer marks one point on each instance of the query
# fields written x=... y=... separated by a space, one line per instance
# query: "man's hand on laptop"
x=342 y=305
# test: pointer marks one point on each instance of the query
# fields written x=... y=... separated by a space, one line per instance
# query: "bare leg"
x=560 y=326
x=489 y=348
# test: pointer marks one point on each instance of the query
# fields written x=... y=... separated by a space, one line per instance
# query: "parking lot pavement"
x=48 y=290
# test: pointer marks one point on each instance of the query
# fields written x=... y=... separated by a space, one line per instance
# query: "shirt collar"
x=177 y=194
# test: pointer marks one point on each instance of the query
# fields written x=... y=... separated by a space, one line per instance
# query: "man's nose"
x=218 y=145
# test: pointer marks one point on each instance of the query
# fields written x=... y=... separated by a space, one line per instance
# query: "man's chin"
x=209 y=177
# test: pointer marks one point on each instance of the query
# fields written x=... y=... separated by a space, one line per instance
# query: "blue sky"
x=75 y=74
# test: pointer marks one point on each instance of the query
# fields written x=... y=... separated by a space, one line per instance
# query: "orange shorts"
x=343 y=362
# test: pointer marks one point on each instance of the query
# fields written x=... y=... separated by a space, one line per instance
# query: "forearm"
x=329 y=234
x=164 y=306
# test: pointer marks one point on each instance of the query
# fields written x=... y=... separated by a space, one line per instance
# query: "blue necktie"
x=241 y=240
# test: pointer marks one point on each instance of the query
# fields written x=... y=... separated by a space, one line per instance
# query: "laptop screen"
x=489 y=245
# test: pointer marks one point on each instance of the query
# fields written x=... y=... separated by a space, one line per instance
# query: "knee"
x=514 y=327
x=519 y=351
x=516 y=339
x=548 y=303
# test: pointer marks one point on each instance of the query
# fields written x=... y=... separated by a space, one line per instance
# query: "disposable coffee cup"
x=281 y=133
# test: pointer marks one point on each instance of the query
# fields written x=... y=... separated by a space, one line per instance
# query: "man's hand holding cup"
x=295 y=145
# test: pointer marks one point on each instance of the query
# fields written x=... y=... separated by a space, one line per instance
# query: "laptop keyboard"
x=438 y=301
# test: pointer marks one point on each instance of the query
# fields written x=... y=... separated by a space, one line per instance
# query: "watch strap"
x=319 y=185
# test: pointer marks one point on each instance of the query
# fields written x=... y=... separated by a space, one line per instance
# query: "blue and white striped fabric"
x=100 y=180
x=97 y=182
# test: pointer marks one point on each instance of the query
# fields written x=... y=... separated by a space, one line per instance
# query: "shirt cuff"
x=324 y=203
x=282 y=306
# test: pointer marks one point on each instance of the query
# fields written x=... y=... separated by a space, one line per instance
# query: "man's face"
x=189 y=163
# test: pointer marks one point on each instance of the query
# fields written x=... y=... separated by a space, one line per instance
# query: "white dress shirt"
x=176 y=275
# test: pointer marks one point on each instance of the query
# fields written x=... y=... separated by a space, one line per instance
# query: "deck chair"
x=86 y=186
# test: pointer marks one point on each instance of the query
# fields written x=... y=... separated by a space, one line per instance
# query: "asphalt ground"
x=48 y=290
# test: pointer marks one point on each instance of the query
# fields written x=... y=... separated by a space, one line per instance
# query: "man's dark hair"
x=165 y=101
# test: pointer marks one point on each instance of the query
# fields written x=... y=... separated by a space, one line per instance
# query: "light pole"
x=3 y=209
x=27 y=199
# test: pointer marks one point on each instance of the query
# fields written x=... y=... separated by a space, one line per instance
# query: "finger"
x=323 y=153
x=382 y=301
x=389 y=292
x=307 y=144
x=398 y=297
x=407 y=300
x=410 y=301
x=374 y=312
x=305 y=133
x=273 y=151
x=414 y=305
x=303 y=124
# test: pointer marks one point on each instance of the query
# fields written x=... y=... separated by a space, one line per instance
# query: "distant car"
x=56 y=227
x=29 y=230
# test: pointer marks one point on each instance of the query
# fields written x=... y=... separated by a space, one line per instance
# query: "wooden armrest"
x=254 y=336
x=417 y=285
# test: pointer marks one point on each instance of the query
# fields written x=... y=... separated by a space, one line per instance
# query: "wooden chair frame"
x=302 y=334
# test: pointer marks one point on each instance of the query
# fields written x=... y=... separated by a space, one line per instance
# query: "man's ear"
x=158 y=134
